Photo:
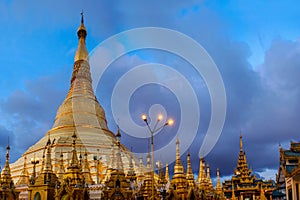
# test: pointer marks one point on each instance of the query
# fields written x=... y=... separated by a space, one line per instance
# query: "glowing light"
x=144 y=117
x=170 y=122
x=160 y=117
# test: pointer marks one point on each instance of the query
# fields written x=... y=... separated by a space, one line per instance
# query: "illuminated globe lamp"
x=153 y=130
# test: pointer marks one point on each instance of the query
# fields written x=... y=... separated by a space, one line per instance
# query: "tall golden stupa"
x=82 y=114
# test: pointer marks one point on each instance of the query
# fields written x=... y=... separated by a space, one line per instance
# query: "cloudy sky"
x=254 y=44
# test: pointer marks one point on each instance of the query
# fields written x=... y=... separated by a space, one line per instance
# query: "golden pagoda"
x=243 y=184
x=73 y=185
x=179 y=182
x=43 y=187
x=118 y=185
x=189 y=172
x=7 y=187
x=80 y=112
x=219 y=194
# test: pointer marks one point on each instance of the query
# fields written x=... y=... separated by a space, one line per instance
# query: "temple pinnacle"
x=81 y=53
x=241 y=142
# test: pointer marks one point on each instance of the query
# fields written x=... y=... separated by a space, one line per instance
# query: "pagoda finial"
x=82 y=16
x=7 y=150
x=81 y=53
x=241 y=142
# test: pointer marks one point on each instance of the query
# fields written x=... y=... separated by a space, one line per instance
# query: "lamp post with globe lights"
x=153 y=130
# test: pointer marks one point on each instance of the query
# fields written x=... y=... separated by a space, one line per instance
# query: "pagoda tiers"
x=245 y=185
x=80 y=112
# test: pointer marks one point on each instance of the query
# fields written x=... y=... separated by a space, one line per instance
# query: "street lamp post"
x=152 y=131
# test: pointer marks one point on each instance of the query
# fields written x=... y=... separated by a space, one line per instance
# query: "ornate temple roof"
x=243 y=182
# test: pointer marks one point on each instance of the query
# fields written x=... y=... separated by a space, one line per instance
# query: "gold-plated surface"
x=80 y=112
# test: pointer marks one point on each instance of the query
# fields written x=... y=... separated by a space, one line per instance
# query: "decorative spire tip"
x=82 y=15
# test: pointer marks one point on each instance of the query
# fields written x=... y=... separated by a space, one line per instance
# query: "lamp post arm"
x=155 y=126
x=149 y=127
x=161 y=127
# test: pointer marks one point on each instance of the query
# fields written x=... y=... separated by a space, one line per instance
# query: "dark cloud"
x=30 y=112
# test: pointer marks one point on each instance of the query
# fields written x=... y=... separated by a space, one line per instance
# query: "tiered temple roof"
x=243 y=183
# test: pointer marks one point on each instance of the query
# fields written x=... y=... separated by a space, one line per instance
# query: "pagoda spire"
x=219 y=190
x=179 y=178
x=80 y=107
x=80 y=112
x=209 y=181
x=201 y=174
x=189 y=172
x=167 y=173
x=242 y=169
x=86 y=170
x=6 y=179
x=218 y=186
x=81 y=53
x=73 y=174
x=24 y=177
x=241 y=142
x=178 y=168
